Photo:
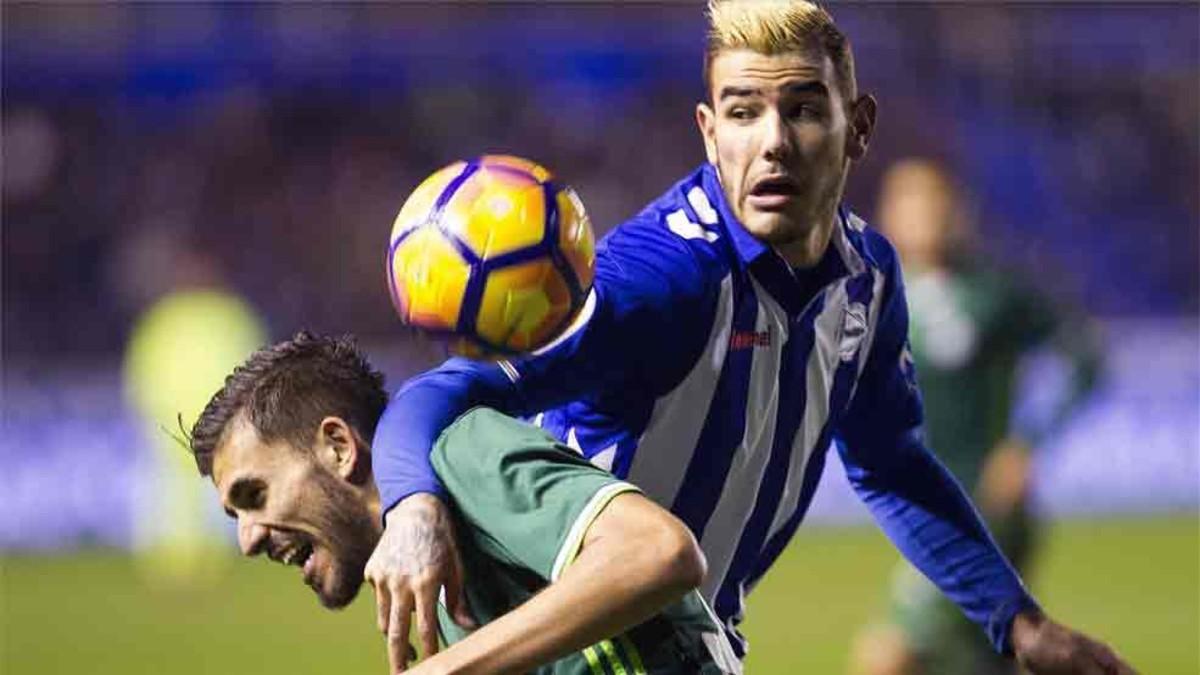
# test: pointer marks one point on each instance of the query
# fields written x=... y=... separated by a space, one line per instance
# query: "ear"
x=706 y=119
x=862 y=125
x=341 y=450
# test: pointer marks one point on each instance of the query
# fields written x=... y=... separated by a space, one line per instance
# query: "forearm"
x=927 y=515
x=417 y=415
x=614 y=585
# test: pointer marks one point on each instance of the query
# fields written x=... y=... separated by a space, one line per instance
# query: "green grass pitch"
x=1133 y=582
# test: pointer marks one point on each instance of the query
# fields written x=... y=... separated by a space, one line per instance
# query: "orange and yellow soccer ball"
x=492 y=255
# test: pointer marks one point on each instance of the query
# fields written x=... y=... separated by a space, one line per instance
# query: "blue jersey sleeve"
x=916 y=501
x=643 y=324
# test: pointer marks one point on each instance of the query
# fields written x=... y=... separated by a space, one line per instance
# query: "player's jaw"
x=329 y=536
x=334 y=580
x=344 y=534
x=783 y=204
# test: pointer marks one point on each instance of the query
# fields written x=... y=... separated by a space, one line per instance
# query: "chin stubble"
x=350 y=534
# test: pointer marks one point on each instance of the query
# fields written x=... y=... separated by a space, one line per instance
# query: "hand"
x=416 y=557
x=1044 y=647
x=1004 y=481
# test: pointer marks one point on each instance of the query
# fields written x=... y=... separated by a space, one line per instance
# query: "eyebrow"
x=738 y=92
x=809 y=87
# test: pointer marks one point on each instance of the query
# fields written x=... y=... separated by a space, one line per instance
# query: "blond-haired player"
x=738 y=324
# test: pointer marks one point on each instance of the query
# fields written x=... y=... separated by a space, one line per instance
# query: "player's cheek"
x=734 y=157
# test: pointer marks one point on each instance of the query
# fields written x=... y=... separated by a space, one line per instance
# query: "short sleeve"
x=527 y=499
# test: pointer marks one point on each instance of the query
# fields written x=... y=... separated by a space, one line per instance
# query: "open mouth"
x=297 y=555
x=772 y=193
x=770 y=186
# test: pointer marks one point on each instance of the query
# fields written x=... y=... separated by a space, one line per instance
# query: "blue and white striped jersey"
x=708 y=372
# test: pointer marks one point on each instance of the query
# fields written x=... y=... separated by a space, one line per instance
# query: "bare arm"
x=635 y=559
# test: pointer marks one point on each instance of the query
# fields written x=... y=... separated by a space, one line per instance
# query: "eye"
x=255 y=497
x=248 y=495
x=807 y=110
x=740 y=112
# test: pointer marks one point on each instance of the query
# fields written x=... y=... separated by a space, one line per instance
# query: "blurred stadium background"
x=264 y=148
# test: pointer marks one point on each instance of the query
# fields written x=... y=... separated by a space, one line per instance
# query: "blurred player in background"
x=970 y=327
x=179 y=352
x=738 y=324
x=565 y=562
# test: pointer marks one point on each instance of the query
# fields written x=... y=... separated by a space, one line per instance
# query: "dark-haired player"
x=567 y=566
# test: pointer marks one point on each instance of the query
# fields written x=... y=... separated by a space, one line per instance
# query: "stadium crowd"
x=278 y=176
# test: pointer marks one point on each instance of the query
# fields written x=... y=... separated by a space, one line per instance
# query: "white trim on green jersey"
x=570 y=547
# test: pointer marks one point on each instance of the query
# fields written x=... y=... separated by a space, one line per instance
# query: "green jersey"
x=523 y=504
x=969 y=329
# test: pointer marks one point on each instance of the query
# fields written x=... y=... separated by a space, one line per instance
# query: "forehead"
x=242 y=452
x=745 y=67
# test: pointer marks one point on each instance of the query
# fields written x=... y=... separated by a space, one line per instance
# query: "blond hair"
x=778 y=26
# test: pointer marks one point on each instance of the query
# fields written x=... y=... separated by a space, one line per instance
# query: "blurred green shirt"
x=523 y=504
x=969 y=329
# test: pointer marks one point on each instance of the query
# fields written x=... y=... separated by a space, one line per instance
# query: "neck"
x=370 y=496
x=806 y=251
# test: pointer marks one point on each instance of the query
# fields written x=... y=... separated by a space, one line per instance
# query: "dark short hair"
x=286 y=390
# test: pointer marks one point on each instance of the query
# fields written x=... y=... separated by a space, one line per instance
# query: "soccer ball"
x=491 y=255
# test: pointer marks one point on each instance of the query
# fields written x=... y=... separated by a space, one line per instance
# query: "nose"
x=252 y=537
x=777 y=138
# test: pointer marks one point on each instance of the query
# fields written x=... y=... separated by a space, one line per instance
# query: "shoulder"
x=665 y=251
x=879 y=256
x=679 y=227
x=481 y=435
x=879 y=252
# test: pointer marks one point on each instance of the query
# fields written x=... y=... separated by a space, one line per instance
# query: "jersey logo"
x=854 y=329
x=746 y=339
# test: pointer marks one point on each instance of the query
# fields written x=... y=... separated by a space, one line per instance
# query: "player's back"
x=523 y=503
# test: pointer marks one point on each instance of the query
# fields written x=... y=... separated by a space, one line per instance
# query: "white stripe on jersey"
x=818 y=381
x=604 y=458
x=703 y=208
x=740 y=491
x=872 y=321
x=734 y=619
x=718 y=644
x=850 y=256
x=678 y=418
